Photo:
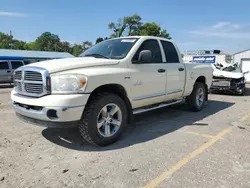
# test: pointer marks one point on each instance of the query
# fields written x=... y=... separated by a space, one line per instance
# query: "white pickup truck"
x=101 y=90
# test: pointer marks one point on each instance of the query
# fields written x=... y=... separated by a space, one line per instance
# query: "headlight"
x=68 y=83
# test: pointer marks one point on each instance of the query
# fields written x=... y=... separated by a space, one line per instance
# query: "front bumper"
x=50 y=110
x=234 y=88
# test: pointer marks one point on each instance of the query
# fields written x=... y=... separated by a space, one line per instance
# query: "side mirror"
x=145 y=55
x=246 y=72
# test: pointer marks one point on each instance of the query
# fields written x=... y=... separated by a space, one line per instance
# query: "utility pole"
x=11 y=40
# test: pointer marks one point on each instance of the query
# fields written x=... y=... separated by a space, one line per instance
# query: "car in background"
x=228 y=79
x=7 y=67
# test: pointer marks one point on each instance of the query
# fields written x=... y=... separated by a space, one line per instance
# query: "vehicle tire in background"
x=104 y=119
x=197 y=98
x=241 y=92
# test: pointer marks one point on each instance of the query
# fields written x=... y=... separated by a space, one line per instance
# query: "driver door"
x=148 y=79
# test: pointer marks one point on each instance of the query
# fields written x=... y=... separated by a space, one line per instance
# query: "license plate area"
x=221 y=83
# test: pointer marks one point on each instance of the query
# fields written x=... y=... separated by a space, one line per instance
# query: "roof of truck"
x=154 y=37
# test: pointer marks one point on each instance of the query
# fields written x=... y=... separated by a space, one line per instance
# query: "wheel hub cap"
x=109 y=120
x=200 y=97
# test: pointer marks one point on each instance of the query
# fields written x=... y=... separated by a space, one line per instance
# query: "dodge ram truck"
x=101 y=90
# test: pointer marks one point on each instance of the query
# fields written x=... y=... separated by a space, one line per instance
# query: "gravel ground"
x=172 y=146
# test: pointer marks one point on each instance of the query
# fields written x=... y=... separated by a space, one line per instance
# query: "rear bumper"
x=51 y=110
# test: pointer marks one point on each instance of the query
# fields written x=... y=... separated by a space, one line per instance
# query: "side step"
x=154 y=107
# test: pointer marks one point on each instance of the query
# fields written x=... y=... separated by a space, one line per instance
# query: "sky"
x=193 y=24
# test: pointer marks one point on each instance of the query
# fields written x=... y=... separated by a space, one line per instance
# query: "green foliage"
x=77 y=49
x=100 y=39
x=48 y=42
x=128 y=25
x=5 y=41
x=153 y=29
x=133 y=25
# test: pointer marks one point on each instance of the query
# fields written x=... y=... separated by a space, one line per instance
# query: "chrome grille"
x=33 y=76
x=19 y=86
x=33 y=88
x=18 y=75
x=31 y=81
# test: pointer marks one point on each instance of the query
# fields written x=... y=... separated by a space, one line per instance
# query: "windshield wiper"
x=97 y=55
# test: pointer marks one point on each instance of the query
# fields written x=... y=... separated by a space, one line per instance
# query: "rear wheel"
x=104 y=119
x=196 y=99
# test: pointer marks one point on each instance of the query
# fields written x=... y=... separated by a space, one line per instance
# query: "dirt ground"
x=169 y=147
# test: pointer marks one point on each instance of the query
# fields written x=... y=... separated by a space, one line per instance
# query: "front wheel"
x=104 y=119
x=196 y=99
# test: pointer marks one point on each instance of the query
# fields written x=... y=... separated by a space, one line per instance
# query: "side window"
x=4 y=65
x=16 y=64
x=170 y=52
x=154 y=47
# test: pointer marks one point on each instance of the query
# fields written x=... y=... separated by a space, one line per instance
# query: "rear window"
x=170 y=52
x=4 y=65
x=16 y=64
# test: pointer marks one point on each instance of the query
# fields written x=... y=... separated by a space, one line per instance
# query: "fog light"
x=52 y=114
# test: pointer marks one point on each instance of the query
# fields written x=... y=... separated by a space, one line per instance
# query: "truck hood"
x=57 y=65
x=226 y=74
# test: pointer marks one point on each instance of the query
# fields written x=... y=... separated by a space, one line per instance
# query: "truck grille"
x=30 y=82
x=33 y=76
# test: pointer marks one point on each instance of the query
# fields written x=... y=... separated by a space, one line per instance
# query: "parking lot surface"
x=169 y=147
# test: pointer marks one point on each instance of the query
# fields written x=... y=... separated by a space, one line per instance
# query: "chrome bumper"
x=59 y=114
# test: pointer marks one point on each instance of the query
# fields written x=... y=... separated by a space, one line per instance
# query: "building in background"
x=32 y=56
x=207 y=56
x=243 y=60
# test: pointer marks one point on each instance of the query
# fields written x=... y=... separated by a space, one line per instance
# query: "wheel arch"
x=202 y=79
x=118 y=90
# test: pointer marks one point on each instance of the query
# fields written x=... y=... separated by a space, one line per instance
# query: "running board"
x=154 y=107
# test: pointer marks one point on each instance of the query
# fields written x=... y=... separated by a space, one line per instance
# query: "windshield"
x=111 y=49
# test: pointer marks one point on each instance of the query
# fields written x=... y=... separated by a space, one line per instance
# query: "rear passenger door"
x=175 y=70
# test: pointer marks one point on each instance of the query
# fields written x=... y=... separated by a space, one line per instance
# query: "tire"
x=94 y=115
x=242 y=92
x=192 y=98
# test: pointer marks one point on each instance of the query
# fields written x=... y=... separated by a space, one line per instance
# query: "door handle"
x=8 y=70
x=181 y=69
x=161 y=70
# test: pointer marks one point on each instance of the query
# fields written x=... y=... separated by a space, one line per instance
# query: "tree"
x=100 y=39
x=77 y=49
x=18 y=44
x=47 y=42
x=129 y=25
x=65 y=47
x=86 y=45
x=153 y=29
x=133 y=25
x=5 y=40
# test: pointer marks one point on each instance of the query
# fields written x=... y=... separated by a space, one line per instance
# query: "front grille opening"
x=32 y=83
x=18 y=75
x=33 y=76
x=29 y=107
x=33 y=88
